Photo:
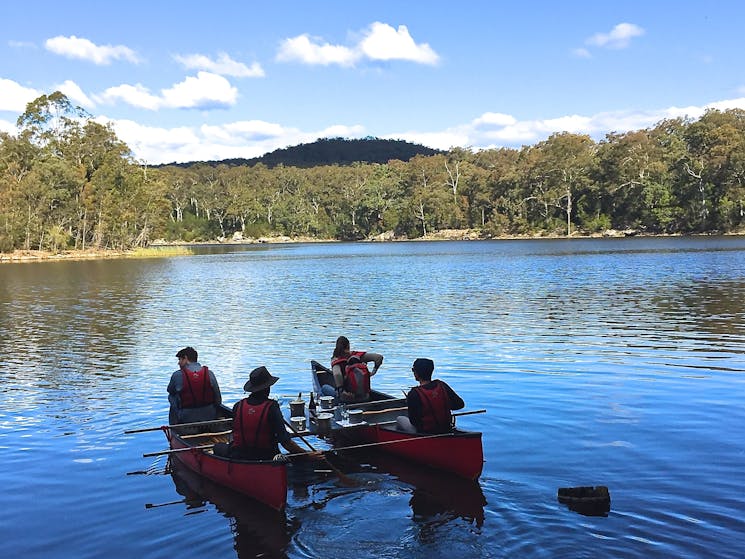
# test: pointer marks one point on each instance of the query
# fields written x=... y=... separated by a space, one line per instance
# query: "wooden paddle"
x=195 y=424
x=382 y=443
x=454 y=415
x=384 y=410
x=207 y=434
x=346 y=480
x=175 y=450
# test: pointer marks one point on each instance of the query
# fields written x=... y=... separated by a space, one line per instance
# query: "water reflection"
x=258 y=531
x=436 y=497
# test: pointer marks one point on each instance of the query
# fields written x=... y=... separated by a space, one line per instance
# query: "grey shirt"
x=179 y=415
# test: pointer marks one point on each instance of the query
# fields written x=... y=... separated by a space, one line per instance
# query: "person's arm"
x=174 y=388
x=415 y=408
x=456 y=402
x=338 y=376
x=376 y=358
x=215 y=388
x=283 y=436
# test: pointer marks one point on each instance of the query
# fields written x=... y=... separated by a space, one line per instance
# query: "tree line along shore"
x=70 y=187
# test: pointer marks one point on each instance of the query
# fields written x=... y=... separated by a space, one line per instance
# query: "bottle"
x=312 y=406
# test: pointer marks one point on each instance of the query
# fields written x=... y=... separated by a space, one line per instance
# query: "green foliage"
x=191 y=228
x=69 y=182
x=7 y=243
x=595 y=223
x=331 y=151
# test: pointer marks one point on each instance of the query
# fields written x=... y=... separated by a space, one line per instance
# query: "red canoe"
x=458 y=452
x=262 y=480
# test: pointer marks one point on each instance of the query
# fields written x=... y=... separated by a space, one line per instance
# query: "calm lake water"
x=613 y=362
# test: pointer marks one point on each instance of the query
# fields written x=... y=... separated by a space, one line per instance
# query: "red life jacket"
x=197 y=390
x=436 y=416
x=251 y=427
x=356 y=374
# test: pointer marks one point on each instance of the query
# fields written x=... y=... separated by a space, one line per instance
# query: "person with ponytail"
x=350 y=372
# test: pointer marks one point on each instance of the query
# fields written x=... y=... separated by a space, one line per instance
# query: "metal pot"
x=324 y=423
x=298 y=423
x=297 y=408
x=327 y=402
x=355 y=416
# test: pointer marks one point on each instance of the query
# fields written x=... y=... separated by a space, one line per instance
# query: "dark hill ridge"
x=329 y=151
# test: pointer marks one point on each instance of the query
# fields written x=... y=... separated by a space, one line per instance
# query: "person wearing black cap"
x=258 y=424
x=429 y=403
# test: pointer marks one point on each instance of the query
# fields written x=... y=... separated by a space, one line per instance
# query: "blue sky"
x=187 y=80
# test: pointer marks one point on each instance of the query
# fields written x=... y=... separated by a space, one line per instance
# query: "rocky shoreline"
x=156 y=246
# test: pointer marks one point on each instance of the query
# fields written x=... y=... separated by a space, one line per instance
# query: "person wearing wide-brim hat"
x=258 y=425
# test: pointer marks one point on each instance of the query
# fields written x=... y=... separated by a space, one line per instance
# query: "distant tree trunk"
x=421 y=217
x=453 y=179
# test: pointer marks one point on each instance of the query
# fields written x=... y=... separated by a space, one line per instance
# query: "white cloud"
x=436 y=140
x=224 y=65
x=237 y=133
x=494 y=119
x=342 y=131
x=253 y=138
x=7 y=126
x=499 y=130
x=204 y=91
x=727 y=104
x=135 y=95
x=379 y=41
x=618 y=38
x=241 y=139
x=383 y=42
x=14 y=97
x=581 y=53
x=77 y=47
x=75 y=94
x=302 y=49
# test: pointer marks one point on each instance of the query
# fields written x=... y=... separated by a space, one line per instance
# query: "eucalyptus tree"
x=716 y=168
x=564 y=167
x=243 y=206
x=17 y=159
x=497 y=197
x=634 y=169
x=428 y=193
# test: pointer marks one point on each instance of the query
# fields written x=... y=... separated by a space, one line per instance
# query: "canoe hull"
x=263 y=480
x=460 y=453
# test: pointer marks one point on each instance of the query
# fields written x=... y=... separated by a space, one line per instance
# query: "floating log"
x=586 y=500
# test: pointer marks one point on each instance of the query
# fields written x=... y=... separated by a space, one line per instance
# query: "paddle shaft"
x=369 y=445
x=334 y=469
x=175 y=450
x=195 y=424
x=384 y=411
x=208 y=434
x=454 y=415
x=310 y=446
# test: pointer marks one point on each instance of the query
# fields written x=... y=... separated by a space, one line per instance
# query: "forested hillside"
x=330 y=151
x=69 y=182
